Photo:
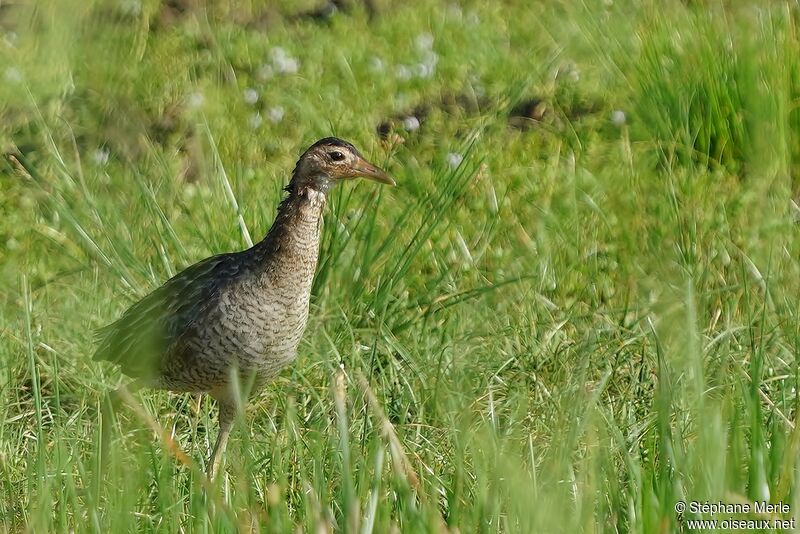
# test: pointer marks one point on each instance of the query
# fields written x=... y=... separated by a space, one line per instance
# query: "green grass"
x=579 y=325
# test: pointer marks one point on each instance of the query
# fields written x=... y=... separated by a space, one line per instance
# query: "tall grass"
x=709 y=86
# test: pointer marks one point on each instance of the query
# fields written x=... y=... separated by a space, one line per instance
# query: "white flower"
x=283 y=62
x=277 y=52
x=618 y=117
x=250 y=95
x=287 y=65
x=13 y=75
x=424 y=41
x=454 y=159
x=568 y=71
x=100 y=156
x=427 y=66
x=411 y=123
x=424 y=71
x=275 y=114
x=454 y=11
x=430 y=58
x=10 y=38
x=254 y=121
x=189 y=190
x=403 y=72
x=376 y=64
x=265 y=72
x=131 y=7
x=195 y=99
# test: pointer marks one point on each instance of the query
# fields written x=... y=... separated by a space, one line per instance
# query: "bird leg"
x=227 y=414
x=229 y=401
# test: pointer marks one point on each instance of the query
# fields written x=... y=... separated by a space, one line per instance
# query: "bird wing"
x=138 y=341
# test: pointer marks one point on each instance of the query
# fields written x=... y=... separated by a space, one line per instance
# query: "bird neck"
x=290 y=249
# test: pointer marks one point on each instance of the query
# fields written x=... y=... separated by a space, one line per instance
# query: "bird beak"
x=365 y=169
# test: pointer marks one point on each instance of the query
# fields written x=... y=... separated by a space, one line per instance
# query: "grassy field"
x=578 y=307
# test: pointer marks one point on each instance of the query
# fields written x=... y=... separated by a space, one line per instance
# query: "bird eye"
x=336 y=155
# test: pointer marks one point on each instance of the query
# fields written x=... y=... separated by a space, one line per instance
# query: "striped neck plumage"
x=295 y=233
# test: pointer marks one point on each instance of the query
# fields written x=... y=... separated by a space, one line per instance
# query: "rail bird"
x=236 y=317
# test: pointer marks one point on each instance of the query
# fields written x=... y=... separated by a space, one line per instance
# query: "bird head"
x=331 y=160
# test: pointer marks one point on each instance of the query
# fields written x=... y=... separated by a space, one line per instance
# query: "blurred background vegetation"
x=579 y=306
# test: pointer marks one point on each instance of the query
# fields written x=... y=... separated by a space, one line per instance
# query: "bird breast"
x=263 y=328
x=265 y=315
